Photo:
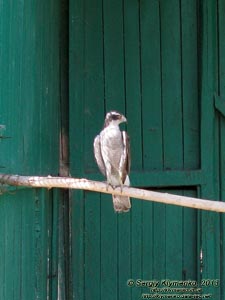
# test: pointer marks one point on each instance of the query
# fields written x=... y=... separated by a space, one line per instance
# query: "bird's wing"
x=98 y=155
x=124 y=167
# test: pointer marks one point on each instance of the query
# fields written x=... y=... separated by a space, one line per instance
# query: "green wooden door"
x=153 y=61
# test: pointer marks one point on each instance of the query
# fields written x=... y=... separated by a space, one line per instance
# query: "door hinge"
x=219 y=103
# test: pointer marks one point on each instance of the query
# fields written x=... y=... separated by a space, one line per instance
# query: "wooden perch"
x=96 y=186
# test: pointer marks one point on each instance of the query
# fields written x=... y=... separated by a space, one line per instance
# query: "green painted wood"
x=76 y=109
x=190 y=233
x=174 y=234
x=124 y=267
x=77 y=243
x=151 y=67
x=190 y=84
x=162 y=87
x=136 y=245
x=93 y=79
x=76 y=104
x=220 y=105
x=147 y=240
x=29 y=102
x=159 y=230
x=109 y=246
x=221 y=29
x=113 y=26
x=132 y=84
x=209 y=68
x=163 y=178
x=171 y=84
x=22 y=91
x=94 y=89
x=92 y=244
x=191 y=131
x=25 y=244
x=54 y=236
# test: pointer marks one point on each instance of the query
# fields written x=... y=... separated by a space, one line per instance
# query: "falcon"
x=112 y=154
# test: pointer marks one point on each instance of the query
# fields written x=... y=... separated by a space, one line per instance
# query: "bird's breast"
x=111 y=146
x=111 y=138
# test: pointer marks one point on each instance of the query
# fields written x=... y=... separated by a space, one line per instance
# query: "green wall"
x=29 y=109
x=63 y=65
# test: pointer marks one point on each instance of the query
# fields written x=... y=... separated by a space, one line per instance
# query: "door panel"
x=143 y=59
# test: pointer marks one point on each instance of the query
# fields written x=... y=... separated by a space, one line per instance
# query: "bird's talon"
x=118 y=186
x=109 y=185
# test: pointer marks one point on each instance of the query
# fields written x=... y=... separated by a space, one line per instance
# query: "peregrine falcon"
x=112 y=154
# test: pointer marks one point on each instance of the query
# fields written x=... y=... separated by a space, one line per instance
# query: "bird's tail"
x=122 y=203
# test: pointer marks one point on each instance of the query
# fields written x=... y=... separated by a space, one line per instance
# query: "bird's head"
x=114 y=117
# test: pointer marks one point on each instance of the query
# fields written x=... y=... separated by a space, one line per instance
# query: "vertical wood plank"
x=109 y=249
x=76 y=109
x=191 y=128
x=48 y=108
x=92 y=243
x=159 y=245
x=93 y=109
x=190 y=84
x=31 y=107
x=9 y=251
x=10 y=55
x=76 y=83
x=210 y=220
x=133 y=80
x=2 y=249
x=93 y=80
x=136 y=245
x=148 y=239
x=151 y=85
x=114 y=55
x=77 y=243
x=124 y=255
x=174 y=230
x=189 y=235
x=171 y=84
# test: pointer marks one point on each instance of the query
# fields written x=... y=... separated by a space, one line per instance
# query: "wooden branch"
x=96 y=186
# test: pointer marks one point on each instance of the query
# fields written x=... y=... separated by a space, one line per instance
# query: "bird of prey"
x=112 y=154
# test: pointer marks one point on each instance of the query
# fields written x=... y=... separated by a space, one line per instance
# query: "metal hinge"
x=219 y=103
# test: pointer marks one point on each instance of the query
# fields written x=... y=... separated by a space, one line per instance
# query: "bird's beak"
x=124 y=119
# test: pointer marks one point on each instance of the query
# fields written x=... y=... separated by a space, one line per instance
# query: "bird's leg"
x=108 y=172
x=111 y=185
x=108 y=185
x=120 y=185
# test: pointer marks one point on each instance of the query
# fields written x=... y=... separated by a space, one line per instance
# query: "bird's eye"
x=115 y=116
